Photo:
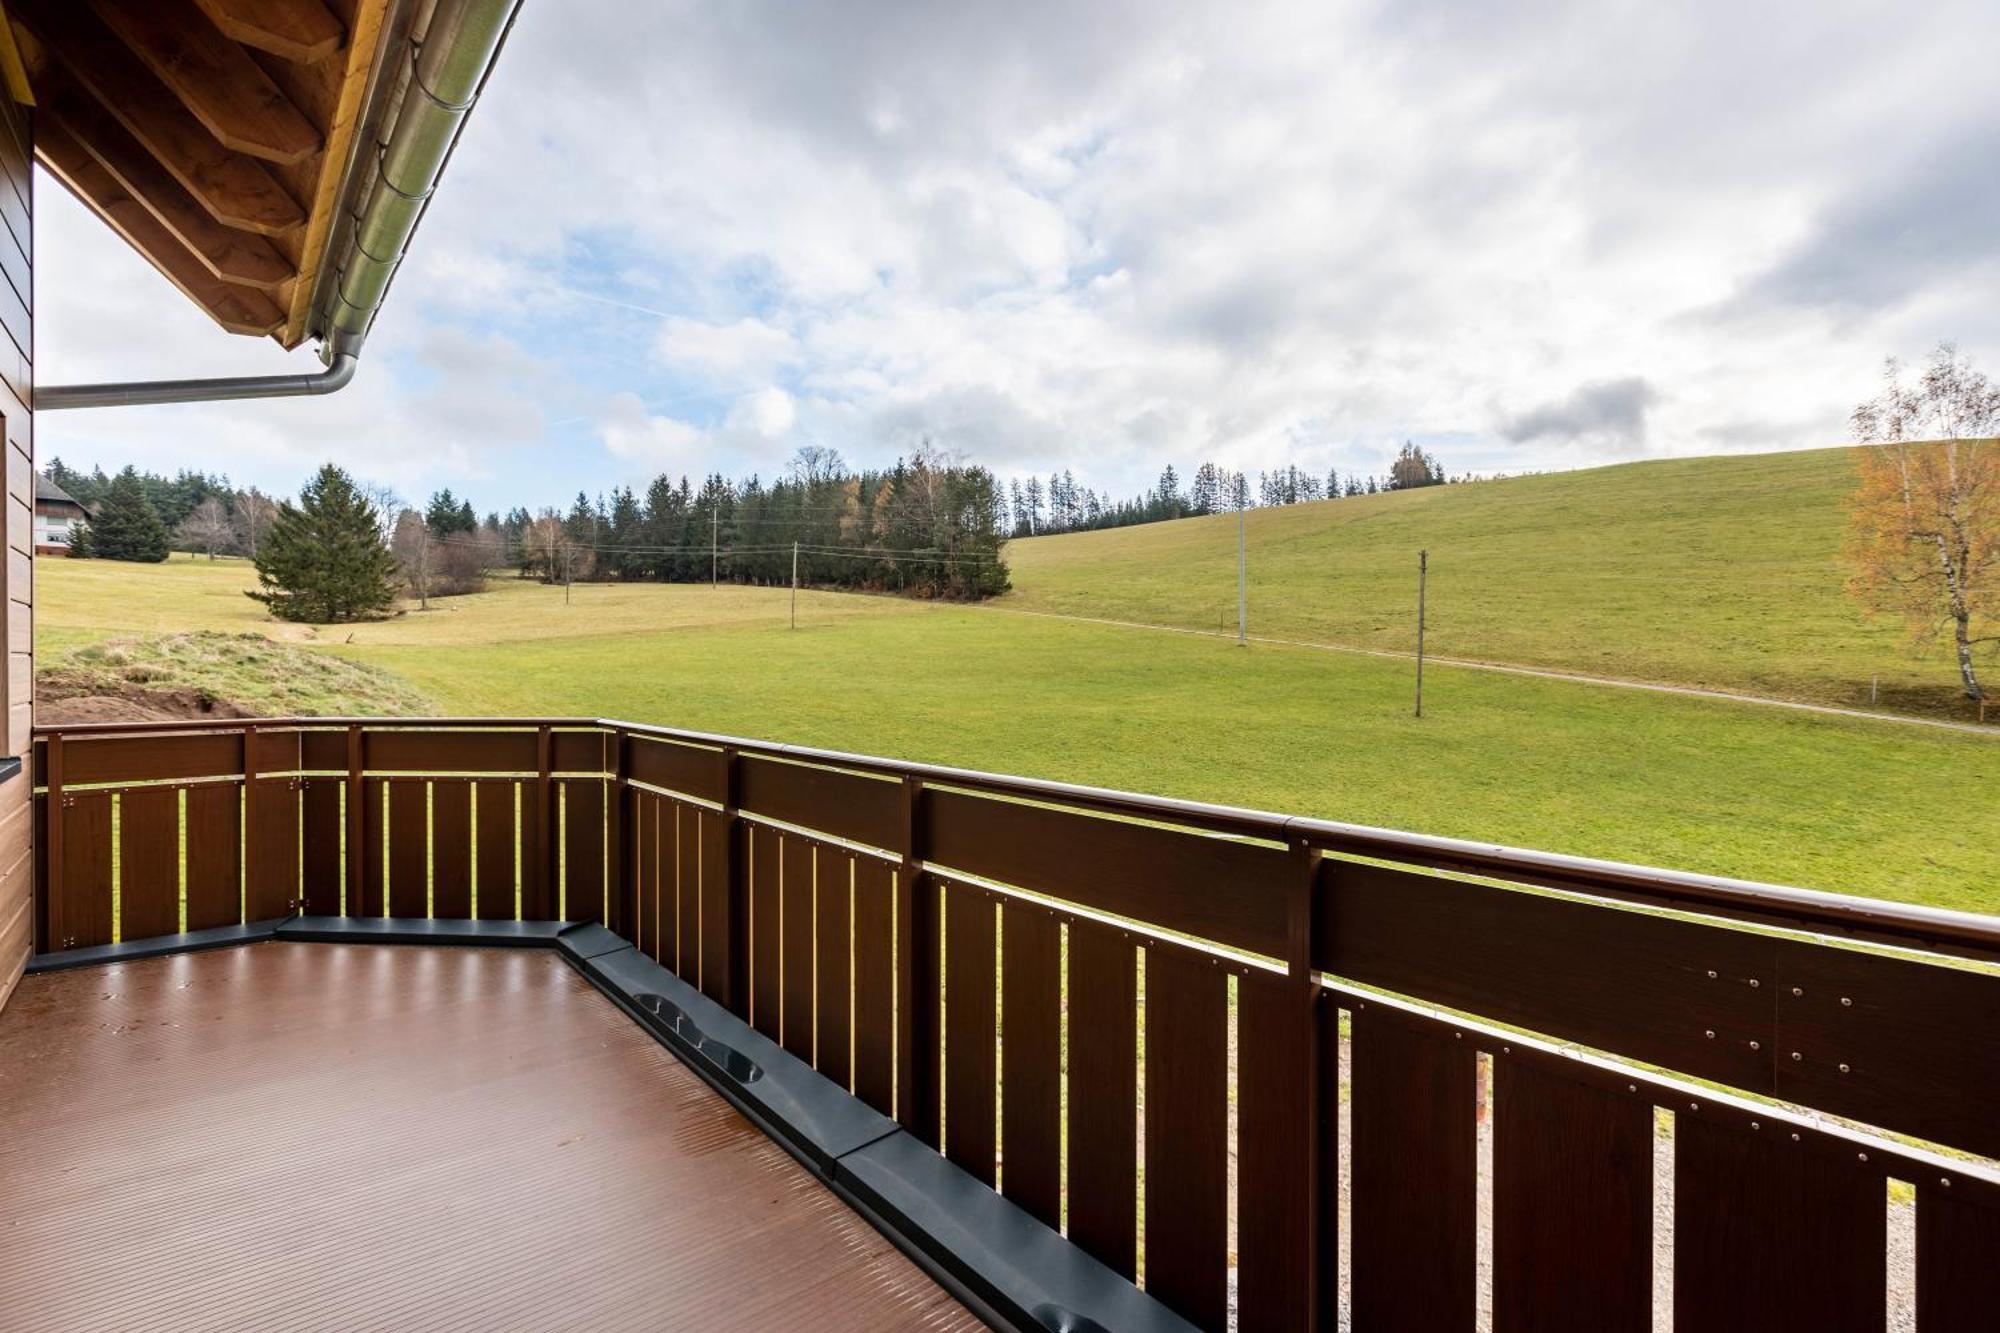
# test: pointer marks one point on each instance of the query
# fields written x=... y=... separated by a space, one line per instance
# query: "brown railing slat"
x=723 y=972
x=1031 y=1059
x=86 y=869
x=320 y=816
x=498 y=835
x=1187 y=1133
x=1958 y=1280
x=103 y=759
x=1103 y=1094
x=1270 y=1086
x=650 y=924
x=833 y=873
x=919 y=976
x=409 y=848
x=845 y=805
x=374 y=845
x=1905 y=1045
x=766 y=932
x=1645 y=986
x=969 y=1036
x=795 y=909
x=426 y=752
x=1771 y=1235
x=1572 y=1205
x=214 y=835
x=579 y=751
x=683 y=768
x=584 y=898
x=874 y=984
x=682 y=882
x=540 y=888
x=451 y=850
x=149 y=862
x=272 y=889
x=1415 y=1159
x=1223 y=890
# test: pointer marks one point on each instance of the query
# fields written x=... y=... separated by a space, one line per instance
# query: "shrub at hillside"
x=127 y=527
x=324 y=559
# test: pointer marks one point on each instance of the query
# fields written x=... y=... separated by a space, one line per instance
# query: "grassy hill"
x=1702 y=785
x=1716 y=572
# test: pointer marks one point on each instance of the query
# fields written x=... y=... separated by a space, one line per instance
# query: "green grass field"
x=1719 y=787
x=1716 y=572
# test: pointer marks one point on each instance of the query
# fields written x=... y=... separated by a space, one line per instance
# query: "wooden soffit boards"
x=213 y=135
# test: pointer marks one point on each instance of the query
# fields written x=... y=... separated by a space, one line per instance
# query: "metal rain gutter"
x=449 y=65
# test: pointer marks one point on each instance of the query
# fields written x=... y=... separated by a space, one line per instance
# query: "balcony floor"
x=301 y=1136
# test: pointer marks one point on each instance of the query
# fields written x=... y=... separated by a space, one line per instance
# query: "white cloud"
x=660 y=443
x=1140 y=231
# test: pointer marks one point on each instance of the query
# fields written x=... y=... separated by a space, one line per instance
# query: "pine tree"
x=82 y=546
x=127 y=527
x=324 y=559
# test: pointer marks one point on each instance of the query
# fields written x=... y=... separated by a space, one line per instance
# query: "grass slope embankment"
x=1701 y=785
x=1720 y=573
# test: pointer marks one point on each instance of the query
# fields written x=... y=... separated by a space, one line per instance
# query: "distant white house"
x=56 y=512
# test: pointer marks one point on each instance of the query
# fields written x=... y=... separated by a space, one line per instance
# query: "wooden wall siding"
x=18 y=872
x=1104 y=1073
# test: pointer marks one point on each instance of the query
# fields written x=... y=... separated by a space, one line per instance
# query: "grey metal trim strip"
x=421 y=930
x=159 y=946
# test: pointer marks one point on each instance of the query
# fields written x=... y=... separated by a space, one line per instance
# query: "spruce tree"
x=324 y=559
x=127 y=527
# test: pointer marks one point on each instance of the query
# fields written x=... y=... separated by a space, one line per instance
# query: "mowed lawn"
x=1715 y=572
x=1865 y=807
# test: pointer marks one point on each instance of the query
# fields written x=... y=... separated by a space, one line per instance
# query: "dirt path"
x=1544 y=673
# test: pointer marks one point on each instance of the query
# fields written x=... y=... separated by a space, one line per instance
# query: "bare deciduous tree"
x=1924 y=529
x=206 y=528
x=414 y=550
x=255 y=512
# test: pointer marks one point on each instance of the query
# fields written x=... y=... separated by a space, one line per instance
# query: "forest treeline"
x=1061 y=505
x=931 y=525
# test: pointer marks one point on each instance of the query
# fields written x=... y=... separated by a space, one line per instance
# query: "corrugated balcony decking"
x=321 y=1136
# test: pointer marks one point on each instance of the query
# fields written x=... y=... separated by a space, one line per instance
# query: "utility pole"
x=714 y=540
x=1423 y=577
x=1242 y=596
x=566 y=559
x=795 y=585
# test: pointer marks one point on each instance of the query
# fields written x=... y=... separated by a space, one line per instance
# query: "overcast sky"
x=1109 y=235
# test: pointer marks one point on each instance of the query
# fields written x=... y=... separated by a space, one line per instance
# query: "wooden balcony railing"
x=1129 y=1014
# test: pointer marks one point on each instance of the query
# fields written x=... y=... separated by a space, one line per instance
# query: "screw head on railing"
x=1754 y=983
x=1846 y=1003
x=1797 y=1056
x=1756 y=1124
x=1711 y=974
x=1798 y=990
x=1756 y=1046
x=1694 y=1106
x=1843 y=1069
x=1709 y=1033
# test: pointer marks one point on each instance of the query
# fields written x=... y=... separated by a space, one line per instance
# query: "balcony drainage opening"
x=1901 y=1257
x=733 y=1063
x=1484 y=1108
